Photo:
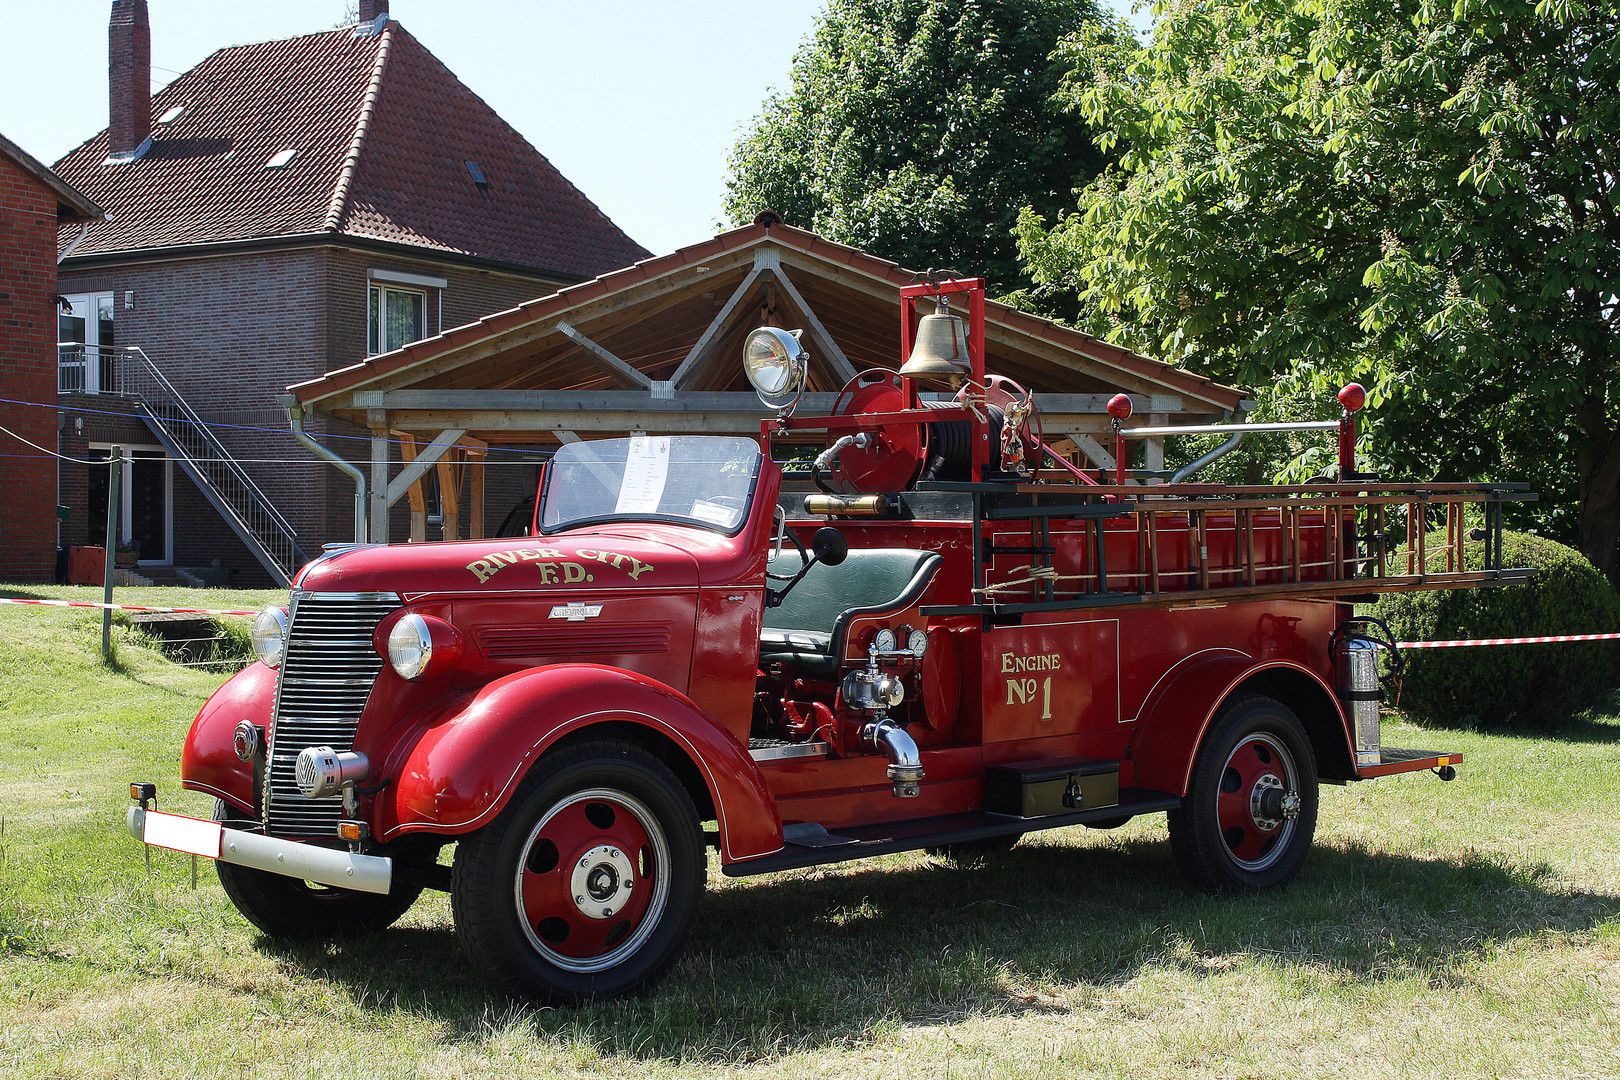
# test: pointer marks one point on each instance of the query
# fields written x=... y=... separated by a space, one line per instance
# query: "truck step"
x=1394 y=759
x=809 y=844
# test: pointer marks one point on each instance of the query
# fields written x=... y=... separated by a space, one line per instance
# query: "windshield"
x=703 y=480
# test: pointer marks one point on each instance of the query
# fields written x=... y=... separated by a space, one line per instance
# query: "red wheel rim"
x=1257 y=801
x=593 y=880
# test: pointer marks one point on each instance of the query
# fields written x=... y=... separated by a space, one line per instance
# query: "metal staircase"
x=217 y=474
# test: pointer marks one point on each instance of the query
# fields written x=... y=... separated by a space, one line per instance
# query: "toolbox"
x=1042 y=788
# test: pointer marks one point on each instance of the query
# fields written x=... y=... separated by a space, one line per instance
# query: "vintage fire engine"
x=951 y=637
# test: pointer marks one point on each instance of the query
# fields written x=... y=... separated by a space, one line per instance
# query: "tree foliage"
x=1416 y=194
x=917 y=129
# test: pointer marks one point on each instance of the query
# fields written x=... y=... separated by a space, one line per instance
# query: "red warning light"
x=1119 y=406
x=1353 y=397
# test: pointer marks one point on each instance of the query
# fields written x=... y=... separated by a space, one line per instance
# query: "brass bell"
x=941 y=351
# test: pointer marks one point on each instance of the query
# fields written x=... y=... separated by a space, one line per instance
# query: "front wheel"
x=288 y=908
x=588 y=883
x=1250 y=810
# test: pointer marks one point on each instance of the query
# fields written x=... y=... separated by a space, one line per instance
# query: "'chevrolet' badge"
x=576 y=612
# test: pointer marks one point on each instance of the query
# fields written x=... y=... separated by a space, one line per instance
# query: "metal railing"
x=128 y=372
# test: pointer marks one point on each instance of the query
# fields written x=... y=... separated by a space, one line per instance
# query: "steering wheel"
x=781 y=531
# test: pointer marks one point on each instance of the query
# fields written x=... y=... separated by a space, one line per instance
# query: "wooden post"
x=450 y=493
x=407 y=450
x=475 y=505
x=115 y=484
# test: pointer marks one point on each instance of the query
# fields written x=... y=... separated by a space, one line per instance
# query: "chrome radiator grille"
x=324 y=681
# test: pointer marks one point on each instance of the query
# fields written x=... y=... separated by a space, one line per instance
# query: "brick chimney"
x=129 y=78
x=370 y=9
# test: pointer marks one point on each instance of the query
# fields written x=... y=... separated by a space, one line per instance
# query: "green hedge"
x=1500 y=685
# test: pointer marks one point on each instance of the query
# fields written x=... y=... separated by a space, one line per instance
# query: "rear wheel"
x=588 y=882
x=1250 y=810
x=285 y=907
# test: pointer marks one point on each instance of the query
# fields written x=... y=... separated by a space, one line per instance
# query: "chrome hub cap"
x=602 y=882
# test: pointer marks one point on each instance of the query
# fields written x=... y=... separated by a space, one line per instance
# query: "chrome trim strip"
x=786 y=753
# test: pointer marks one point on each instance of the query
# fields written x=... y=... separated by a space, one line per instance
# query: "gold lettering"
x=482 y=570
x=548 y=574
x=1006 y=664
x=573 y=572
x=549 y=553
x=638 y=567
x=587 y=553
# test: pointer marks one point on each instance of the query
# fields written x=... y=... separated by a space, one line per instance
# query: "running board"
x=812 y=845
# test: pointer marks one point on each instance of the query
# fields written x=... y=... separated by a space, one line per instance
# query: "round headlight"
x=410 y=646
x=776 y=365
x=884 y=641
x=270 y=636
x=917 y=643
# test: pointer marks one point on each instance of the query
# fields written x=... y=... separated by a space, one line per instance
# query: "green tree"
x=917 y=129
x=1420 y=195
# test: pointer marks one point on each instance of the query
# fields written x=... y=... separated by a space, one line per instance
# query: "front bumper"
x=210 y=839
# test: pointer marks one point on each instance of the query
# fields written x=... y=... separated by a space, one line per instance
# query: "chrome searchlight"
x=777 y=366
x=322 y=771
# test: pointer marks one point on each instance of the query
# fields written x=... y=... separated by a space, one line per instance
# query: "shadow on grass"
x=823 y=959
x=1598 y=725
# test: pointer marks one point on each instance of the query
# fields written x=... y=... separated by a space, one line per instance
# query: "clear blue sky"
x=636 y=102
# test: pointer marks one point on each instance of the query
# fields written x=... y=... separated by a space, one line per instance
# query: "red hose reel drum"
x=893 y=461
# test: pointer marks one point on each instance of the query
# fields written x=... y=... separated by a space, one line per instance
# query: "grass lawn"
x=1469 y=929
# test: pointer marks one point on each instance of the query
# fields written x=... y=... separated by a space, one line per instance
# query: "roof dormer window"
x=172 y=114
x=477 y=175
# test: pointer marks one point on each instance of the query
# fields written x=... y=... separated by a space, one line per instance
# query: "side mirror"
x=830 y=546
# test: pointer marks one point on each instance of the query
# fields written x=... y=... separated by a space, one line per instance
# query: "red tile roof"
x=381 y=131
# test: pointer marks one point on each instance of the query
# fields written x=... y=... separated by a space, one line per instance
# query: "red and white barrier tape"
x=1503 y=641
x=125 y=607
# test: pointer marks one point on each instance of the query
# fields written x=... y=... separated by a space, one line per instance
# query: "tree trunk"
x=1599 y=460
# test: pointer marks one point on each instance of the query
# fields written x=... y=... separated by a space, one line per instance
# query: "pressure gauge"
x=917 y=643
x=884 y=641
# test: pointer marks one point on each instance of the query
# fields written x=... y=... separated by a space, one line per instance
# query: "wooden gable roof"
x=657 y=346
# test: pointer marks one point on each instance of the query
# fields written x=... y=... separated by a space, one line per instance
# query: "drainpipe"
x=295 y=416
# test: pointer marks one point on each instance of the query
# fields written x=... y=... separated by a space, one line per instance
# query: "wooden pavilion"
x=657 y=347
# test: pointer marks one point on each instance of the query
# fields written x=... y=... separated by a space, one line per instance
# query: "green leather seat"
x=808 y=630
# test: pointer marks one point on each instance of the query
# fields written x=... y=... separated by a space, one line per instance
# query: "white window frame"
x=387 y=281
x=90 y=305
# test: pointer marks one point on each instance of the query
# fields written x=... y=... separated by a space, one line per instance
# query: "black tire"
x=1250 y=812
x=290 y=909
x=975 y=854
x=587 y=884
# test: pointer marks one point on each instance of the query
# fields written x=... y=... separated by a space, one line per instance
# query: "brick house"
x=34 y=204
x=282 y=210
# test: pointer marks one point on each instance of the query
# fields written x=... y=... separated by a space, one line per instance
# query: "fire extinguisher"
x=1355 y=648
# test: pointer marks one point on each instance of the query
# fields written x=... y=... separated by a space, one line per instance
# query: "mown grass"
x=1439 y=930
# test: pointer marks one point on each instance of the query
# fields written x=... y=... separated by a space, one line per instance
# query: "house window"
x=398 y=317
x=401 y=308
x=84 y=335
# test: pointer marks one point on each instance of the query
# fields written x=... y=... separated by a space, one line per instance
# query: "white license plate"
x=183 y=834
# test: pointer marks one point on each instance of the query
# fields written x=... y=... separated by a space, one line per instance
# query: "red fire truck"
x=948 y=636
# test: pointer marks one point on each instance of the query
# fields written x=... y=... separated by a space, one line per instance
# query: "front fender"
x=1181 y=707
x=208 y=762
x=454 y=771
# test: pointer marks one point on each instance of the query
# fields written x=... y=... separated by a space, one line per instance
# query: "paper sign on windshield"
x=646 y=469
